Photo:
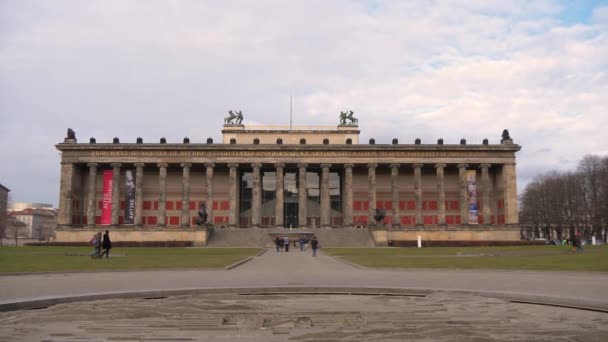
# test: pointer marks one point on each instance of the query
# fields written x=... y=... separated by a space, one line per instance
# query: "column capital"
x=233 y=166
x=185 y=165
x=485 y=165
x=302 y=166
x=325 y=166
x=209 y=164
x=440 y=165
x=279 y=165
x=372 y=165
x=349 y=166
x=394 y=165
x=92 y=165
x=139 y=164
x=256 y=165
x=162 y=165
x=417 y=165
x=463 y=166
x=115 y=165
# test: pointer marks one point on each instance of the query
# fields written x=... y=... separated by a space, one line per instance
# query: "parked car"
x=555 y=242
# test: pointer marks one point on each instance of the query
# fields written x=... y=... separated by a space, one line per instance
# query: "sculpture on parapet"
x=379 y=215
x=235 y=115
x=506 y=138
x=348 y=115
x=71 y=134
x=202 y=215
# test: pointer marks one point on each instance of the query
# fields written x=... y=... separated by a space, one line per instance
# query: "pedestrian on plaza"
x=96 y=243
x=302 y=243
x=286 y=243
x=278 y=242
x=107 y=245
x=314 y=243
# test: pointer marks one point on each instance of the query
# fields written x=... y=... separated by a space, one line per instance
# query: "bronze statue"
x=237 y=116
x=505 y=134
x=71 y=134
x=348 y=115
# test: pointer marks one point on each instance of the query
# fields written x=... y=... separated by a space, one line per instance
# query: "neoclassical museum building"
x=304 y=178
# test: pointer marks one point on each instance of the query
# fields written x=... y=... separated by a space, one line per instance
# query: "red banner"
x=106 y=208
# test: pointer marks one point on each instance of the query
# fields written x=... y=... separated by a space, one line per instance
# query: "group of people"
x=100 y=243
x=282 y=244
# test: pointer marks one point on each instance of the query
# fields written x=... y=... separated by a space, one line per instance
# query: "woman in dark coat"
x=106 y=245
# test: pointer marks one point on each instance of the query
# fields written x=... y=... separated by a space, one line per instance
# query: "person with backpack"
x=96 y=243
x=314 y=243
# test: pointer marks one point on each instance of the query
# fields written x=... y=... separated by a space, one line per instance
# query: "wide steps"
x=261 y=237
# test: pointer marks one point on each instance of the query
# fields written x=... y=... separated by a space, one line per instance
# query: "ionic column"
x=232 y=195
x=325 y=200
x=139 y=193
x=209 y=201
x=395 y=194
x=485 y=181
x=256 y=200
x=371 y=177
x=441 y=191
x=348 y=195
x=278 y=208
x=302 y=195
x=186 y=195
x=510 y=188
x=464 y=203
x=91 y=194
x=65 y=194
x=162 y=198
x=418 y=193
x=115 y=193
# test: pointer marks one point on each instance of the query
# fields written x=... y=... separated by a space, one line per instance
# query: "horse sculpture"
x=348 y=115
x=237 y=116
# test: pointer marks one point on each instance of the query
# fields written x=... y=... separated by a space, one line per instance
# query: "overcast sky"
x=428 y=69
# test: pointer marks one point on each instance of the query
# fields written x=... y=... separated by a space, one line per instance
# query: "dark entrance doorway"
x=290 y=214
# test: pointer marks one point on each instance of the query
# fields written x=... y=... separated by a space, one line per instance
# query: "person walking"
x=278 y=242
x=96 y=243
x=286 y=243
x=106 y=244
x=314 y=244
x=302 y=242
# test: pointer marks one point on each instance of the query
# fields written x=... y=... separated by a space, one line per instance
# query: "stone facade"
x=304 y=178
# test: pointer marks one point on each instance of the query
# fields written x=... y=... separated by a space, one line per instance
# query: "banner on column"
x=106 y=207
x=129 y=198
x=472 y=196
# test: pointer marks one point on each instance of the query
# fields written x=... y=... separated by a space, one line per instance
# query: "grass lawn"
x=59 y=259
x=558 y=258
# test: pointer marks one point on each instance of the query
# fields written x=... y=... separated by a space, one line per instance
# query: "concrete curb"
x=241 y=262
x=299 y=290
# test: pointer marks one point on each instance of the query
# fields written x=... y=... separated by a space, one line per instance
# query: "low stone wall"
x=193 y=237
x=477 y=233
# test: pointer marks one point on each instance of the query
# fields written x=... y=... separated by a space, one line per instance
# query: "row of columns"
x=302 y=195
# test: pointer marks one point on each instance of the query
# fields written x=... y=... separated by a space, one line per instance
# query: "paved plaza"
x=281 y=296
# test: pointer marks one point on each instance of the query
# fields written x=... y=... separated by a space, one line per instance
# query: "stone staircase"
x=260 y=237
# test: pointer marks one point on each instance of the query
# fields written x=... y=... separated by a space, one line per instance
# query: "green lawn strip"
x=594 y=258
x=58 y=259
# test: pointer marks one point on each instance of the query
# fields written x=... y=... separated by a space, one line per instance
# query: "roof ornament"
x=348 y=115
x=235 y=115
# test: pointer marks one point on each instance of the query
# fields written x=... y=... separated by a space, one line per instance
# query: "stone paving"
x=442 y=305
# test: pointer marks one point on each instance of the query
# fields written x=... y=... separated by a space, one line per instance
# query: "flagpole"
x=290 y=112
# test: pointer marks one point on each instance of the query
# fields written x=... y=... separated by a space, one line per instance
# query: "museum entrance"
x=290 y=214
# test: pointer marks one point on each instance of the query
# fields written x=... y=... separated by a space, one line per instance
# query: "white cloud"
x=449 y=69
